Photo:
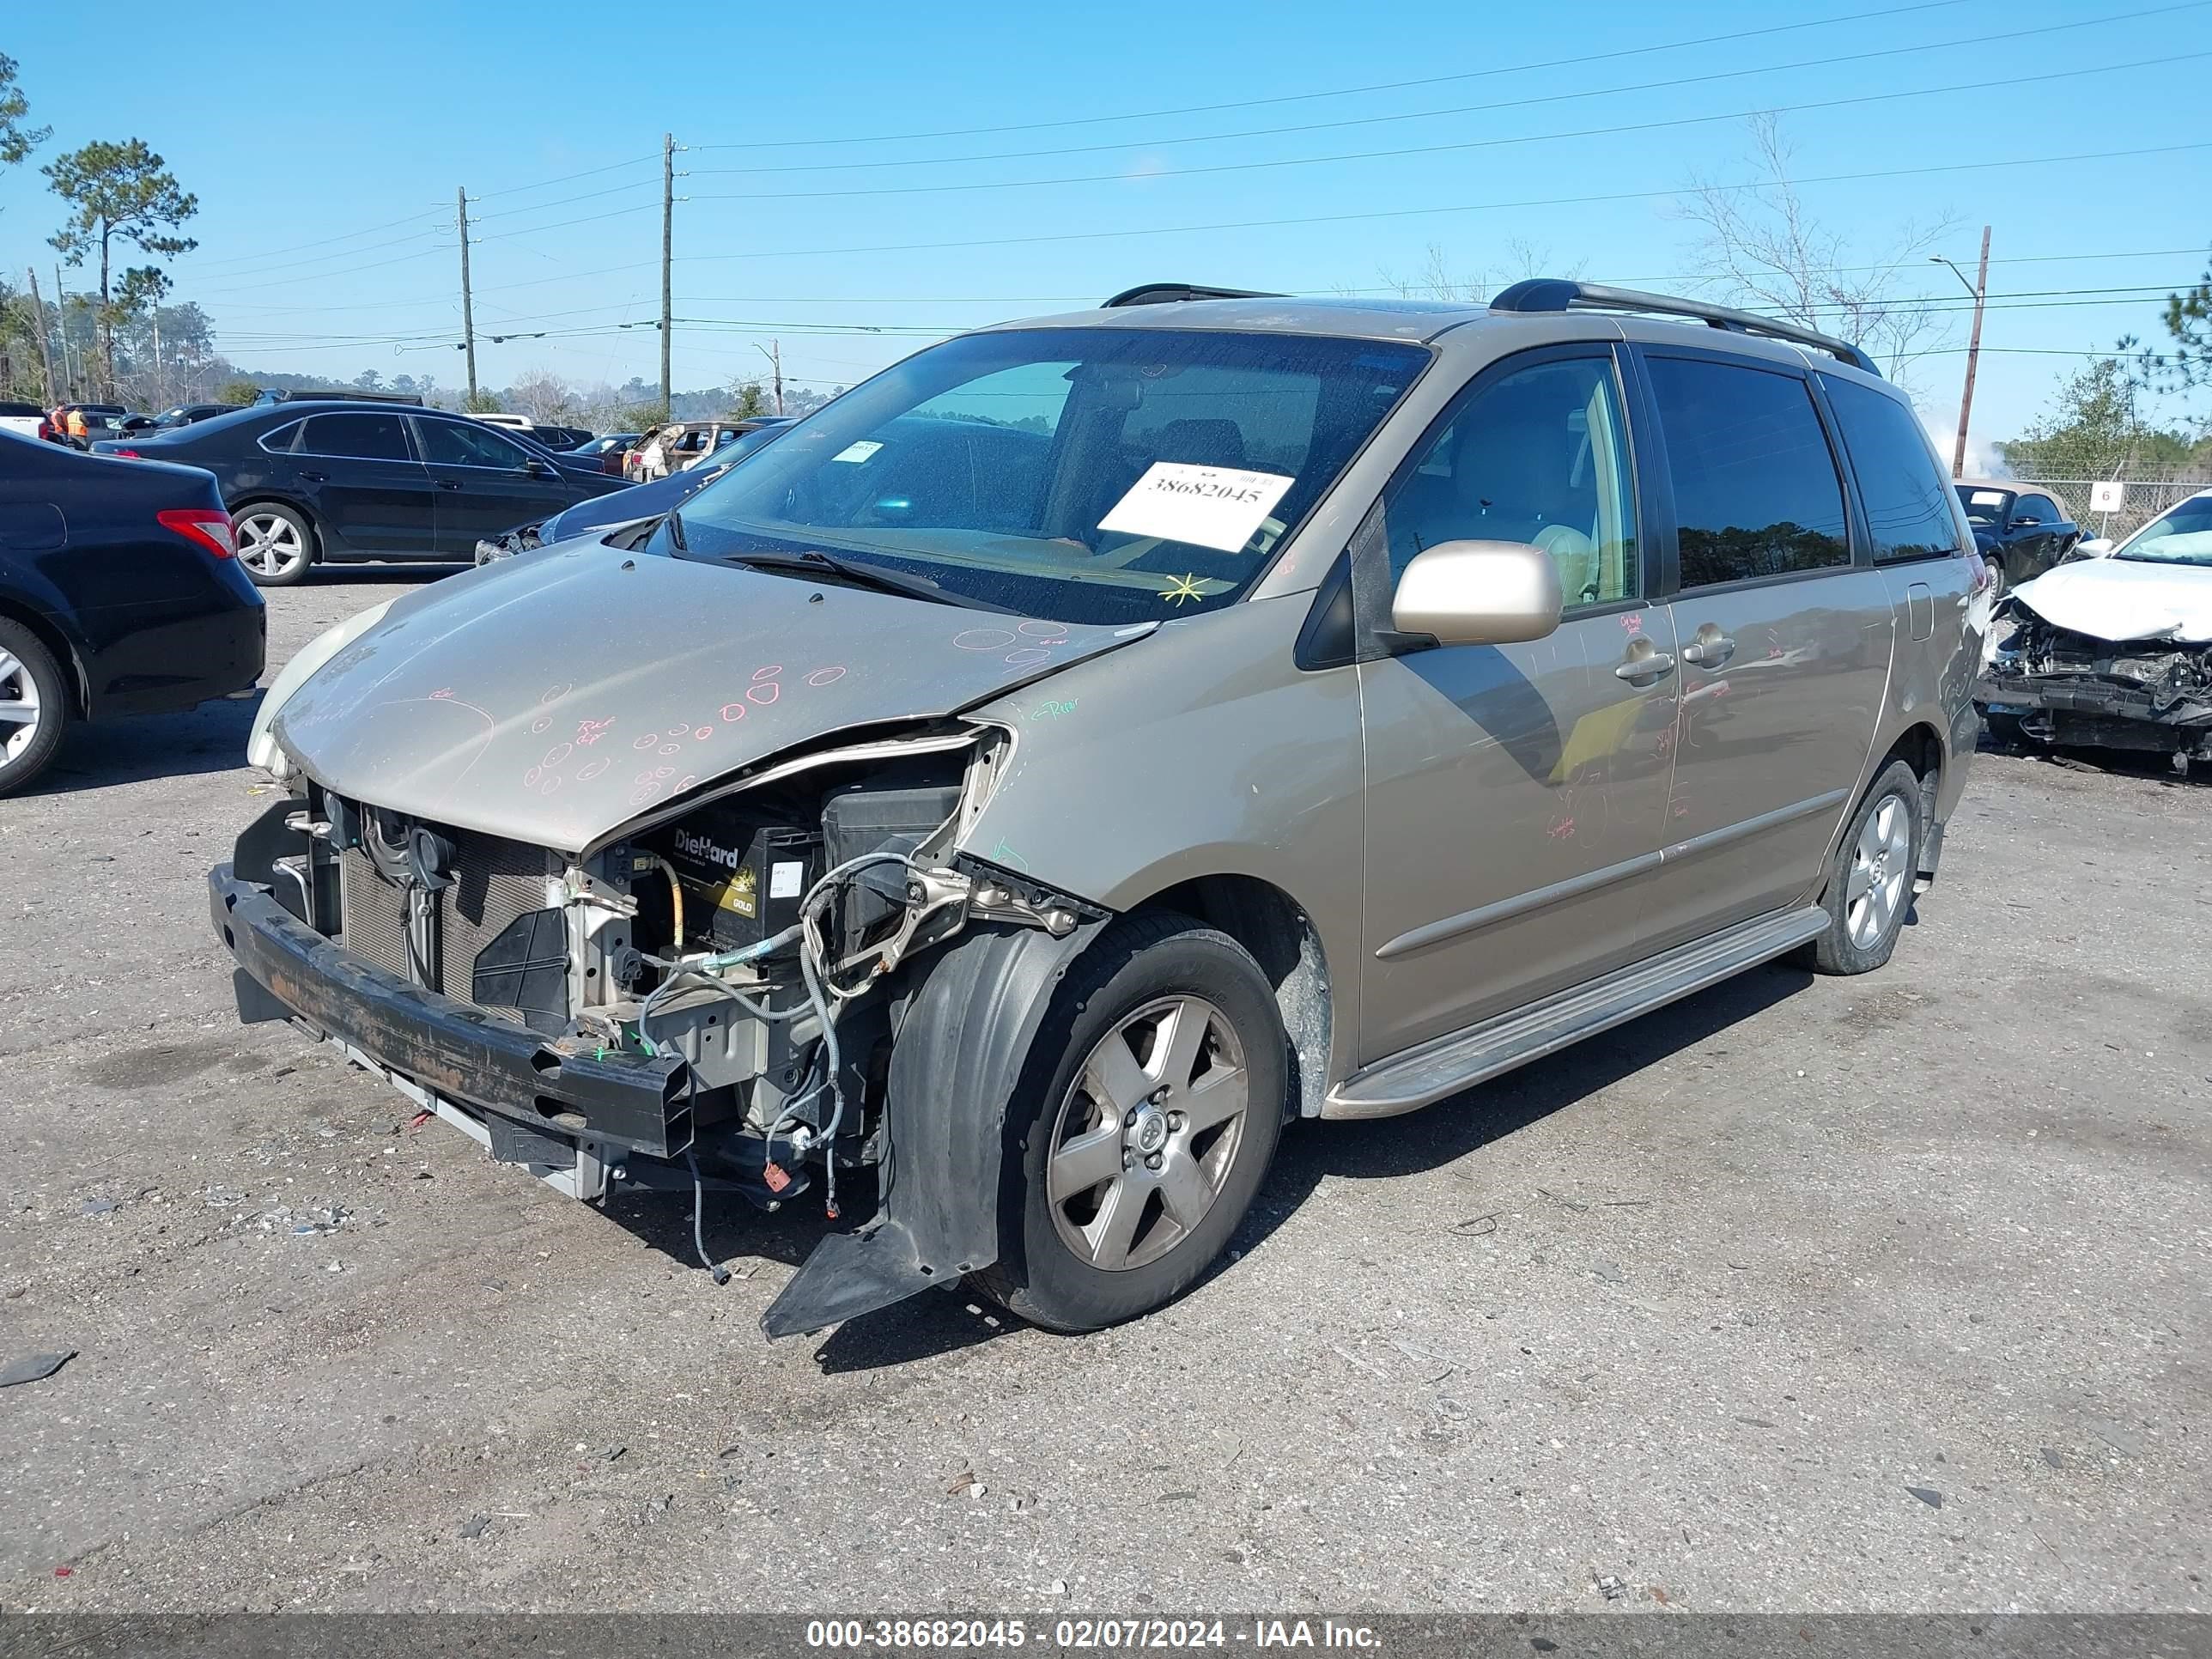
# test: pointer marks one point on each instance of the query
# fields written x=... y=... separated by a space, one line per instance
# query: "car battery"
x=742 y=882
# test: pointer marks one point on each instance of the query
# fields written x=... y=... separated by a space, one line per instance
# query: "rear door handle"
x=1644 y=669
x=1709 y=653
x=449 y=483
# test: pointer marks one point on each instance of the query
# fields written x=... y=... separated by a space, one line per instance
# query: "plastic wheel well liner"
x=957 y=1057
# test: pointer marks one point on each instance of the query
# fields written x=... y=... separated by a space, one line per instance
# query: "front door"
x=367 y=492
x=1784 y=641
x=486 y=483
x=1517 y=795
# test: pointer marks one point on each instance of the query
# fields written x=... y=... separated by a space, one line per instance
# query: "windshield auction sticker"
x=1216 y=506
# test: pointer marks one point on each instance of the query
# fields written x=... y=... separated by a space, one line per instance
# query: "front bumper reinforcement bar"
x=287 y=970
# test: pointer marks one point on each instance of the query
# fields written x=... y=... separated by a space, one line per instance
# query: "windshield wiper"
x=862 y=575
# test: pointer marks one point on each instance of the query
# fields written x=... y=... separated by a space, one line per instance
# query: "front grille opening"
x=495 y=881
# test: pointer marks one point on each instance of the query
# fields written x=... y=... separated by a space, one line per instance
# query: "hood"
x=552 y=699
x=627 y=503
x=2125 y=599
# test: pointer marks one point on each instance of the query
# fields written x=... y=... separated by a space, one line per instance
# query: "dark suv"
x=337 y=480
x=2022 y=531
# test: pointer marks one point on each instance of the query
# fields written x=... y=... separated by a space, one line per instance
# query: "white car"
x=2113 y=651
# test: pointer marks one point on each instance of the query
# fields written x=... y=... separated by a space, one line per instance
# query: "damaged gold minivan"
x=997 y=809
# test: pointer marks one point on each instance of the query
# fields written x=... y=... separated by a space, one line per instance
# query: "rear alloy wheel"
x=1873 y=875
x=1995 y=567
x=1161 y=1077
x=33 y=706
x=274 y=543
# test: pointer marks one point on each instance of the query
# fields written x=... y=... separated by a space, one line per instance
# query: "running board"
x=1406 y=1081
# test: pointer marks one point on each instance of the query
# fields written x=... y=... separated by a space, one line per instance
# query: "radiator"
x=494 y=882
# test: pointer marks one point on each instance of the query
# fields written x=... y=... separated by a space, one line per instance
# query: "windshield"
x=1095 y=475
x=2182 y=536
x=1986 y=507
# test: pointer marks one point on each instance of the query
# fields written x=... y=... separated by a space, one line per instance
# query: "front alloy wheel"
x=1147 y=1133
x=1155 y=1088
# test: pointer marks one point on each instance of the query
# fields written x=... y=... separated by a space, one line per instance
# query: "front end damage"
x=2050 y=685
x=776 y=986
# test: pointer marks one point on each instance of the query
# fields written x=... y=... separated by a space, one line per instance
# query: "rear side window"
x=280 y=441
x=468 y=443
x=1908 y=500
x=1756 y=492
x=363 y=437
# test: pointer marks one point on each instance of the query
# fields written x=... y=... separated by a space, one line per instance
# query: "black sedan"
x=2021 y=529
x=186 y=414
x=118 y=595
x=645 y=501
x=308 y=482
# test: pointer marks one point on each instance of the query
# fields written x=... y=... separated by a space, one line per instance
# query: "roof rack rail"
x=1163 y=294
x=1558 y=294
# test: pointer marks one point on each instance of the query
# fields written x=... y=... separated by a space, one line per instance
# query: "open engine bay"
x=737 y=959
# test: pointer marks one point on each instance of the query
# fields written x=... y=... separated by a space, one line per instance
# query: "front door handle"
x=316 y=477
x=448 y=483
x=1642 y=671
x=1709 y=653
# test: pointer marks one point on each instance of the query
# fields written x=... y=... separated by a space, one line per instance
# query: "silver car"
x=1065 y=761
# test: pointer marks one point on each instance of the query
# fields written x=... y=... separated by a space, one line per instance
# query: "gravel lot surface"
x=1876 y=1294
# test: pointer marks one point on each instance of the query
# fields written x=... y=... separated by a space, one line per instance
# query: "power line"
x=2186 y=281
x=614 y=190
x=1373 y=215
x=569 y=178
x=1454 y=148
x=271 y=253
x=1827 y=62
x=1577 y=60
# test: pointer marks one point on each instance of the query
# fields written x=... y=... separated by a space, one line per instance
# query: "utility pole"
x=46 y=348
x=468 y=305
x=775 y=365
x=61 y=328
x=1979 y=288
x=667 y=259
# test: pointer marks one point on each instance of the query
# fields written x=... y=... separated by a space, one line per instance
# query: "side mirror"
x=1478 y=594
x=2096 y=546
x=2025 y=524
x=537 y=469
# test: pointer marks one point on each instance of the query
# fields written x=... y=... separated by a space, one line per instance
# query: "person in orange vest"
x=77 y=430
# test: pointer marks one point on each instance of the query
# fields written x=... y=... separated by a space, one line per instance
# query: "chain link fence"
x=2141 y=500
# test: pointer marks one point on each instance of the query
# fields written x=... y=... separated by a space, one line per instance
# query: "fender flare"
x=955 y=1064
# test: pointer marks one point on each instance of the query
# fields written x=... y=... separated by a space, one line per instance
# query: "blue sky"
x=325 y=143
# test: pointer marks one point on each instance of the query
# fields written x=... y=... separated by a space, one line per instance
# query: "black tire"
x=25 y=663
x=1996 y=570
x=1838 y=950
x=1135 y=965
x=270 y=572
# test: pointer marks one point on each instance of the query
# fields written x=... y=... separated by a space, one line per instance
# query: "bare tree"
x=1436 y=280
x=1770 y=253
x=542 y=396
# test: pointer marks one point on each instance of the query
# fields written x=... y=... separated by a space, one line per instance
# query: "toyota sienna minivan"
x=1010 y=800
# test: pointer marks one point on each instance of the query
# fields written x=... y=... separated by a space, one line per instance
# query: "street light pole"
x=1979 y=288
